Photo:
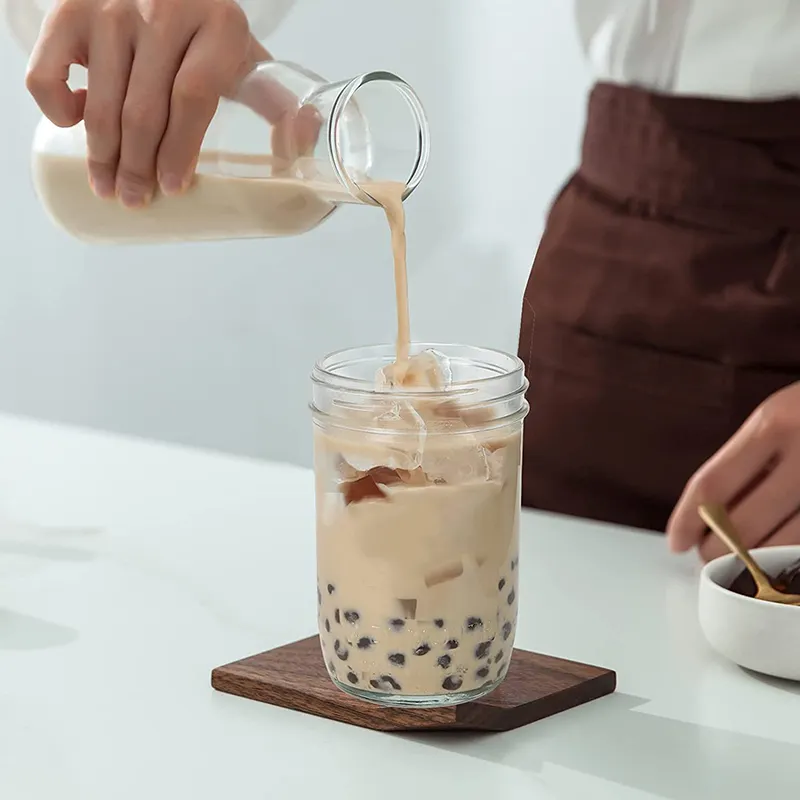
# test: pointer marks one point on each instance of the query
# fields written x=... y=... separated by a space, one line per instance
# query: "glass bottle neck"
x=391 y=86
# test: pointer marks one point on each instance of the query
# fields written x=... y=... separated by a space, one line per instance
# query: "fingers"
x=261 y=93
x=156 y=73
x=267 y=97
x=145 y=114
x=762 y=512
x=258 y=52
x=739 y=463
x=212 y=66
x=307 y=129
x=295 y=135
x=789 y=533
x=62 y=43
x=110 y=59
x=775 y=499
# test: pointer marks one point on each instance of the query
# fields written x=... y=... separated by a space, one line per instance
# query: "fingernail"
x=103 y=187
x=173 y=184
x=134 y=198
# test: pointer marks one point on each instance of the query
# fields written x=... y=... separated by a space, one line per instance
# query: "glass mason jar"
x=418 y=501
x=277 y=160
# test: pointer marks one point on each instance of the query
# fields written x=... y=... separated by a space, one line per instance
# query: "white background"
x=211 y=344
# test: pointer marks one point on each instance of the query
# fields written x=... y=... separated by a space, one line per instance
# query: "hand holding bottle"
x=156 y=72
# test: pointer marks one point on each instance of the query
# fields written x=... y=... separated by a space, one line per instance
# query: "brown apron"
x=664 y=301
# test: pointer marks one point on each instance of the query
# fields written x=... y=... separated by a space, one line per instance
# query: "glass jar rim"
x=324 y=372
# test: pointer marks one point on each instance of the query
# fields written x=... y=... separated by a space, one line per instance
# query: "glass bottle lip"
x=423 y=133
x=504 y=370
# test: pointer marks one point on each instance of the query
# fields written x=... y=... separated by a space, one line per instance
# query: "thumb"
x=258 y=52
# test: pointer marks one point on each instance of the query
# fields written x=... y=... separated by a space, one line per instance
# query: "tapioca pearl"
x=499 y=657
x=352 y=617
x=483 y=672
x=327 y=625
x=501 y=585
x=397 y=624
x=439 y=623
x=337 y=616
x=501 y=669
x=507 y=628
x=319 y=597
x=512 y=596
x=514 y=563
x=444 y=661
x=331 y=668
x=451 y=644
x=398 y=659
x=331 y=588
x=482 y=650
x=342 y=653
x=385 y=683
x=364 y=643
x=352 y=677
x=422 y=650
x=473 y=623
x=452 y=683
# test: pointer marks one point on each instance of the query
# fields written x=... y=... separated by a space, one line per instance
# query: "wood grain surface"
x=294 y=677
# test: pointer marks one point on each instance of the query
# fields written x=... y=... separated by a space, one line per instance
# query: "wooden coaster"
x=294 y=677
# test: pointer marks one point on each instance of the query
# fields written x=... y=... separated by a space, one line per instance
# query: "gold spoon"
x=718 y=520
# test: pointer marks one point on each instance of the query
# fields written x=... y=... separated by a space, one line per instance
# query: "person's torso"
x=719 y=48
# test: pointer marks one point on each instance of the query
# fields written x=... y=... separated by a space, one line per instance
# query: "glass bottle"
x=277 y=160
x=418 y=502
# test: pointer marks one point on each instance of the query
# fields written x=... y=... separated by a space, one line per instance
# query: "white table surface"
x=129 y=569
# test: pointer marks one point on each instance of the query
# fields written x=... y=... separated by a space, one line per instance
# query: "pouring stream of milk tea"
x=390 y=196
x=425 y=369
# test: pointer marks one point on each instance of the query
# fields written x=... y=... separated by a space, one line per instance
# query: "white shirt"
x=721 y=48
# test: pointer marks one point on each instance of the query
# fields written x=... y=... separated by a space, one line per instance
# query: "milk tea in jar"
x=276 y=161
x=418 y=503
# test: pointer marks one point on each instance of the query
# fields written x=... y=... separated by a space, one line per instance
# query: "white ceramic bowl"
x=763 y=637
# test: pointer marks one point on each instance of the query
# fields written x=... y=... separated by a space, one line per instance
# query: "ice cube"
x=429 y=369
x=345 y=470
x=404 y=436
x=454 y=454
x=473 y=416
x=389 y=434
